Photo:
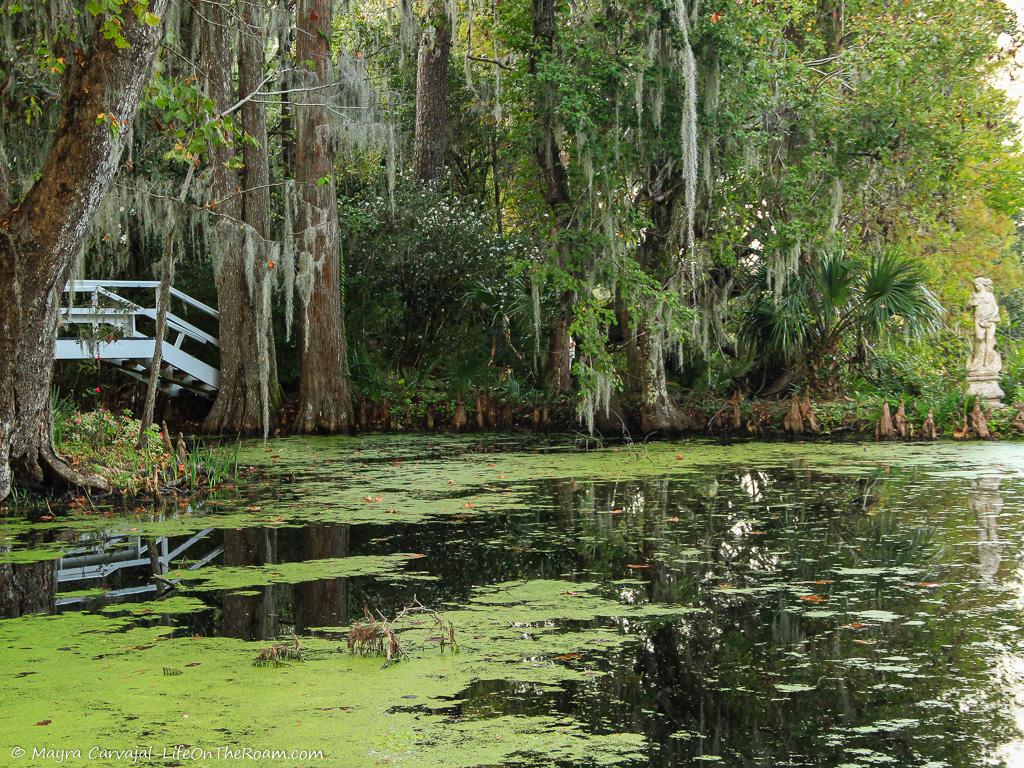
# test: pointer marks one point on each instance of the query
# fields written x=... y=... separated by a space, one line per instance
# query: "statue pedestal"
x=985 y=386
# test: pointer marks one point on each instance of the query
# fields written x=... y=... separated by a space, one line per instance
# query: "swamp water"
x=673 y=605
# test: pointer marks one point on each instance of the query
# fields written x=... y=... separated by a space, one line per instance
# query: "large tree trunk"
x=325 y=401
x=559 y=363
x=656 y=256
x=431 y=91
x=555 y=186
x=248 y=391
x=658 y=412
x=39 y=239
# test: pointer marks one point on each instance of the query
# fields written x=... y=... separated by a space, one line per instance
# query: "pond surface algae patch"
x=109 y=680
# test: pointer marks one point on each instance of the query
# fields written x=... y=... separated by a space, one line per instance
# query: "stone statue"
x=984 y=364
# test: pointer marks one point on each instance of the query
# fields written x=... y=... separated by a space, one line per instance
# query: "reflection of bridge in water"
x=120 y=331
x=120 y=555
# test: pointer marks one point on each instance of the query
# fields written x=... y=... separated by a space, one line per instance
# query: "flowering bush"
x=108 y=442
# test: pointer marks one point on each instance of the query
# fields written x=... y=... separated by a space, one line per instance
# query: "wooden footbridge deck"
x=113 y=329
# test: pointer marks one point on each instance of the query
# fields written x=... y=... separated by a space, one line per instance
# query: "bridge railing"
x=105 y=307
x=123 y=328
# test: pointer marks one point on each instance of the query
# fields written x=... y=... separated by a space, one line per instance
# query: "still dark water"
x=680 y=604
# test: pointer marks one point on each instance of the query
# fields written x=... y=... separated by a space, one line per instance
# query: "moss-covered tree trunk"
x=325 y=400
x=555 y=188
x=248 y=392
x=39 y=238
x=656 y=255
x=431 y=91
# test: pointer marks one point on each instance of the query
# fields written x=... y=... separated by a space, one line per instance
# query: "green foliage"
x=431 y=289
x=836 y=299
x=106 y=442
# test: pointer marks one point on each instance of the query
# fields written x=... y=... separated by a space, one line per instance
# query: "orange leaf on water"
x=814 y=598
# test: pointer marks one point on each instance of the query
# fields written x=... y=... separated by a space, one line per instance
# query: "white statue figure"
x=984 y=364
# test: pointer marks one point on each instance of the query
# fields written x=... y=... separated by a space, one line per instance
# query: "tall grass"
x=63 y=409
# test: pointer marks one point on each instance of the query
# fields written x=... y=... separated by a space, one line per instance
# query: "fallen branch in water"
x=378 y=635
x=279 y=654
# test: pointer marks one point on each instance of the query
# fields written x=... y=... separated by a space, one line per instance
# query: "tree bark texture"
x=554 y=180
x=40 y=238
x=325 y=400
x=431 y=92
x=248 y=368
x=656 y=255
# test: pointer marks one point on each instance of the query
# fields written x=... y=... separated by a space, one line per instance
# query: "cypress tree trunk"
x=325 y=401
x=555 y=187
x=40 y=238
x=248 y=390
x=431 y=91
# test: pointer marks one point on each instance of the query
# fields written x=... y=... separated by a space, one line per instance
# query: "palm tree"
x=799 y=332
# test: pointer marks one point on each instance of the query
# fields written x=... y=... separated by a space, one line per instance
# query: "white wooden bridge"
x=112 y=328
